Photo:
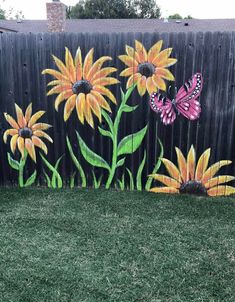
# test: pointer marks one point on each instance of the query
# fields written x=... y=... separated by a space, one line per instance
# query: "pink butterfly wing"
x=187 y=97
x=164 y=106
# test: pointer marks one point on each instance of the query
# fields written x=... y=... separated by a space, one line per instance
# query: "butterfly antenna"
x=169 y=89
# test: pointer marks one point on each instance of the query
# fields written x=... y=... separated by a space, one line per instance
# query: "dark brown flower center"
x=146 y=69
x=81 y=86
x=193 y=187
x=25 y=132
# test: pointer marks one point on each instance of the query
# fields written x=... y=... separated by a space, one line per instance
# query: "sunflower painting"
x=192 y=178
x=26 y=133
x=82 y=84
x=147 y=69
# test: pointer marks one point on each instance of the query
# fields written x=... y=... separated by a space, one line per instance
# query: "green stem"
x=21 y=169
x=112 y=171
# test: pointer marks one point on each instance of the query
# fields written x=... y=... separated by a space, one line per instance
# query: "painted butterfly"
x=185 y=103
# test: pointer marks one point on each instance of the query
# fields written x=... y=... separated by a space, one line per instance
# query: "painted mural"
x=82 y=85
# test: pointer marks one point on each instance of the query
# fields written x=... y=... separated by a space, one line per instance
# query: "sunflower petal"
x=30 y=148
x=133 y=79
x=165 y=74
x=88 y=63
x=129 y=71
x=28 y=113
x=191 y=162
x=169 y=62
x=221 y=191
x=40 y=133
x=70 y=65
x=61 y=97
x=154 y=51
x=202 y=164
x=97 y=66
x=130 y=51
x=169 y=190
x=39 y=143
x=58 y=75
x=105 y=81
x=218 y=180
x=87 y=112
x=63 y=69
x=10 y=132
x=20 y=117
x=11 y=121
x=172 y=169
x=101 y=100
x=104 y=91
x=21 y=146
x=13 y=143
x=166 y=180
x=162 y=57
x=94 y=106
x=141 y=85
x=129 y=61
x=151 y=87
x=103 y=73
x=60 y=88
x=210 y=172
x=80 y=106
x=69 y=106
x=35 y=117
x=159 y=82
x=40 y=126
x=181 y=164
x=78 y=64
x=142 y=55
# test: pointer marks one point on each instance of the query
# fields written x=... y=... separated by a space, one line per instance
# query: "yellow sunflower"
x=82 y=85
x=147 y=69
x=194 y=179
x=26 y=132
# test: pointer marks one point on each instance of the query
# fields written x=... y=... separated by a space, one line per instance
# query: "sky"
x=202 y=9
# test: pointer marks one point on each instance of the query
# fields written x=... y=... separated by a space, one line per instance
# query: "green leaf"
x=31 y=179
x=120 y=162
x=90 y=156
x=76 y=163
x=139 y=173
x=132 y=186
x=127 y=108
x=157 y=166
x=59 y=183
x=12 y=162
x=108 y=120
x=105 y=132
x=131 y=143
x=129 y=91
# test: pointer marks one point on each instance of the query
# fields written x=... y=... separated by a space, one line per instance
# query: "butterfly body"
x=185 y=102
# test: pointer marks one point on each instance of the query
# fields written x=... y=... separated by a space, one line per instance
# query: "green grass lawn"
x=98 y=245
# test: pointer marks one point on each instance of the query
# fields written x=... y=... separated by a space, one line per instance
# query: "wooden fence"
x=23 y=57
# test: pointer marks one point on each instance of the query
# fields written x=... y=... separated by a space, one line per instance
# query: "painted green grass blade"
x=31 y=179
x=157 y=166
x=54 y=178
x=47 y=179
x=72 y=180
x=53 y=170
x=96 y=182
x=121 y=182
x=76 y=163
x=139 y=173
x=132 y=186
